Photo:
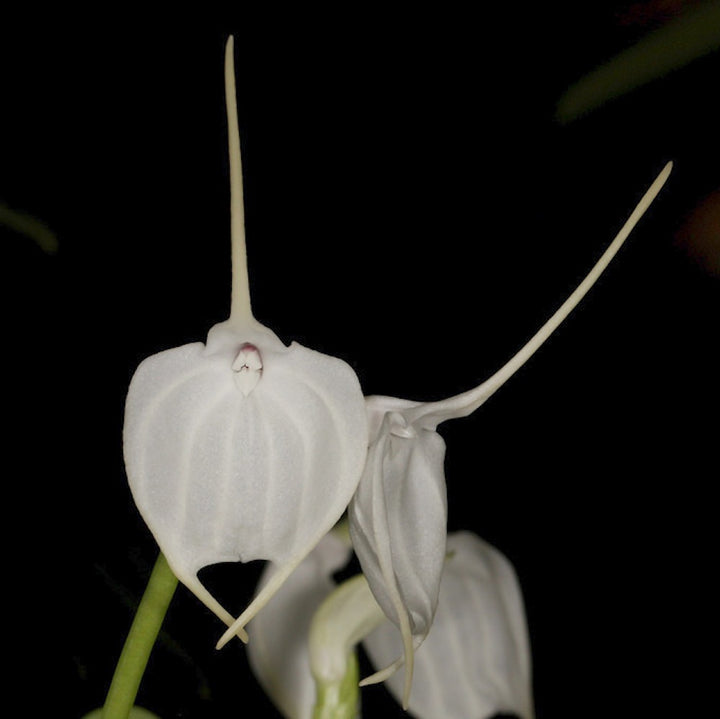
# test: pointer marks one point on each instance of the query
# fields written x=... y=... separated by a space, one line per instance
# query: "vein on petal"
x=147 y=416
x=224 y=490
x=150 y=408
x=189 y=450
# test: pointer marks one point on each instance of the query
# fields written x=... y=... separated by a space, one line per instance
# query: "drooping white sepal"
x=475 y=661
x=398 y=520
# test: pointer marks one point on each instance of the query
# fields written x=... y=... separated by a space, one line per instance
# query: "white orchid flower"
x=398 y=516
x=242 y=448
x=476 y=660
x=474 y=663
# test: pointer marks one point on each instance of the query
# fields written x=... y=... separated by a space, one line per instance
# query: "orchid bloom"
x=242 y=448
x=398 y=515
x=474 y=663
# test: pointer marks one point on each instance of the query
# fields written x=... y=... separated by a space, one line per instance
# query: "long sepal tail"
x=240 y=308
x=432 y=413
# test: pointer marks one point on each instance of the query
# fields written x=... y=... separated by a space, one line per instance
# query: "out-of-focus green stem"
x=339 y=700
x=345 y=617
x=140 y=640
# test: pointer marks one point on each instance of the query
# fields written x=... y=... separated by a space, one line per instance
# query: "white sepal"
x=222 y=476
x=398 y=520
x=243 y=448
x=475 y=661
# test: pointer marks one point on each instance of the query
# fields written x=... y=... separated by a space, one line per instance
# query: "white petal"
x=221 y=476
x=476 y=660
x=278 y=653
x=398 y=521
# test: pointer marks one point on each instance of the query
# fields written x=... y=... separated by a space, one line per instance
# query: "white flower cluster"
x=243 y=448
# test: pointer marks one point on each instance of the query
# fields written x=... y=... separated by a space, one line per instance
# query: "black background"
x=414 y=208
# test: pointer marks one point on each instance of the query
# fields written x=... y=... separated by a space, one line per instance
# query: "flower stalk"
x=339 y=699
x=140 y=641
x=343 y=620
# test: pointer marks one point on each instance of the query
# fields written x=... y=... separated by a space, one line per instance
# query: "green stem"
x=341 y=699
x=345 y=617
x=140 y=640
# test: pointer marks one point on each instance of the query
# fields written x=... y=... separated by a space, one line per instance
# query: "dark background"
x=414 y=207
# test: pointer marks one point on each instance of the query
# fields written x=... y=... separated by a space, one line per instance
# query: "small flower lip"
x=248 y=358
x=247 y=368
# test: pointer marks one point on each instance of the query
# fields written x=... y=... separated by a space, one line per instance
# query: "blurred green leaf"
x=29 y=226
x=669 y=48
